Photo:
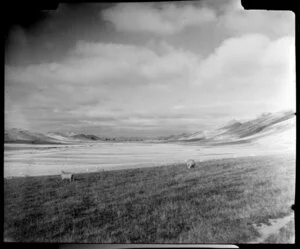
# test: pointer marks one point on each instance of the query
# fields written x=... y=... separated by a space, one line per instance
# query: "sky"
x=148 y=69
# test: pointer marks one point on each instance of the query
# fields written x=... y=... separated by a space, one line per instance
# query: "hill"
x=235 y=131
x=15 y=135
x=269 y=124
x=85 y=137
x=69 y=136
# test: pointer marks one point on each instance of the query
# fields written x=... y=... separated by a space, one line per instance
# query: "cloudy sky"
x=148 y=69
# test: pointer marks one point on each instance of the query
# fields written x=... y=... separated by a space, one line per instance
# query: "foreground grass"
x=285 y=235
x=217 y=202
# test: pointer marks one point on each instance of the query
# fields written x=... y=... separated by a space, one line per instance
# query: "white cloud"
x=251 y=67
x=251 y=70
x=168 y=19
x=278 y=53
x=272 y=23
x=235 y=56
x=14 y=116
x=95 y=111
x=178 y=107
x=91 y=72
x=95 y=62
x=163 y=19
x=240 y=69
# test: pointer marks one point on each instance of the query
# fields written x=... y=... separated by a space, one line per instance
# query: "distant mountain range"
x=23 y=136
x=16 y=135
x=233 y=132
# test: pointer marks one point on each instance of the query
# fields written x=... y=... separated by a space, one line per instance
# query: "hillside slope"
x=270 y=124
x=15 y=135
x=235 y=131
x=23 y=136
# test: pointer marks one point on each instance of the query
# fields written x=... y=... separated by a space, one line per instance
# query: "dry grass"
x=285 y=235
x=216 y=202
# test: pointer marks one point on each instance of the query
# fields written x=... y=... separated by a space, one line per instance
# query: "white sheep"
x=190 y=163
x=67 y=176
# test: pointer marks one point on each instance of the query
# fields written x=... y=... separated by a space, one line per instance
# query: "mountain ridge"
x=241 y=131
x=234 y=131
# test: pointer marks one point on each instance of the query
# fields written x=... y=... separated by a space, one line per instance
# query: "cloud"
x=162 y=19
x=235 y=56
x=169 y=19
x=251 y=65
x=247 y=55
x=178 y=107
x=97 y=78
x=189 y=117
x=239 y=21
x=96 y=63
x=99 y=84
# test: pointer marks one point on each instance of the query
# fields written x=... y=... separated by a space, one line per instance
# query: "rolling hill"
x=70 y=136
x=15 y=135
x=267 y=124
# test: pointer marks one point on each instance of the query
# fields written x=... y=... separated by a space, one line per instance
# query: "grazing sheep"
x=67 y=176
x=190 y=164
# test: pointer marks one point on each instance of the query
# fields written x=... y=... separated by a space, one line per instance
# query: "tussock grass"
x=216 y=202
x=285 y=235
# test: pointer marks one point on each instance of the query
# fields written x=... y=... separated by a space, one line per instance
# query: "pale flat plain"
x=34 y=160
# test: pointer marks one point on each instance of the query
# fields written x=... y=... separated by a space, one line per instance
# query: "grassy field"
x=285 y=235
x=217 y=202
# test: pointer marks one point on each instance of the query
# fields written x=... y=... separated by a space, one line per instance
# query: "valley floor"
x=34 y=160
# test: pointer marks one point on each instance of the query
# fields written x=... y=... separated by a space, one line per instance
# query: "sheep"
x=190 y=164
x=67 y=176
